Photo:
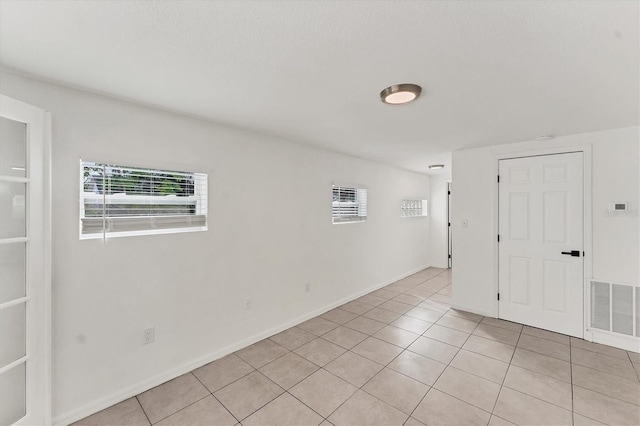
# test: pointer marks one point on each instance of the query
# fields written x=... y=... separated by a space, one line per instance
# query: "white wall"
x=615 y=177
x=192 y=286
x=438 y=238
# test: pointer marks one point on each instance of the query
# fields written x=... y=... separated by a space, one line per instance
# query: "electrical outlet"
x=149 y=335
x=307 y=288
x=247 y=303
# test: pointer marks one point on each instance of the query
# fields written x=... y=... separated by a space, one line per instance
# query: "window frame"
x=147 y=223
x=359 y=204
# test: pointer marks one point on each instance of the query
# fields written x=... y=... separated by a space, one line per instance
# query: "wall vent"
x=615 y=308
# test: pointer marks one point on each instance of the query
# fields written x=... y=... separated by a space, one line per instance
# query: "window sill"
x=109 y=235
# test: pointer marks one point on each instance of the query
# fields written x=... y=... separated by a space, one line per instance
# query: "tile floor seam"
x=365 y=383
x=275 y=359
x=459 y=399
x=495 y=404
x=302 y=402
x=176 y=412
x=544 y=338
x=599 y=353
x=306 y=377
x=537 y=372
x=440 y=375
x=599 y=370
x=373 y=307
x=263 y=405
x=462 y=400
x=450 y=328
x=350 y=396
x=590 y=418
x=539 y=399
x=142 y=408
x=230 y=383
x=571 y=378
x=603 y=394
x=540 y=353
x=333 y=343
x=474 y=374
x=215 y=397
x=387 y=311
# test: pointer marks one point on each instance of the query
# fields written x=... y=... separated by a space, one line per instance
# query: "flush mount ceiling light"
x=400 y=94
x=544 y=137
x=436 y=166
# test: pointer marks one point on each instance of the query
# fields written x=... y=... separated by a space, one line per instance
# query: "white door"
x=541 y=239
x=24 y=265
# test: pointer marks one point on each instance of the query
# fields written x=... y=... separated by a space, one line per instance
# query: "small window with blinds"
x=125 y=201
x=349 y=204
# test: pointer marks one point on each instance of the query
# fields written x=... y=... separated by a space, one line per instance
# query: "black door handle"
x=574 y=253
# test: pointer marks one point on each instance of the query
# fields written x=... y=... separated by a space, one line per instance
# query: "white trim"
x=14 y=302
x=142 y=163
x=349 y=185
x=19 y=179
x=108 y=235
x=38 y=282
x=14 y=240
x=14 y=364
x=47 y=239
x=610 y=338
x=107 y=226
x=133 y=390
x=347 y=222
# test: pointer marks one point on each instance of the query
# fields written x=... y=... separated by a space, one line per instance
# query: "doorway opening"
x=449 y=239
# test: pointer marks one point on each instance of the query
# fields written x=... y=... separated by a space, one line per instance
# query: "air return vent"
x=615 y=308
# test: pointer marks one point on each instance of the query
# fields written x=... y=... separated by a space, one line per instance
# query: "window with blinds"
x=349 y=204
x=123 y=201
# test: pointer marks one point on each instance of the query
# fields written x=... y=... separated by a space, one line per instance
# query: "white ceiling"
x=491 y=72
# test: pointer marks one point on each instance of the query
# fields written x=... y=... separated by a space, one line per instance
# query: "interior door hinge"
x=498 y=237
x=498 y=296
x=449 y=256
x=498 y=178
x=449 y=223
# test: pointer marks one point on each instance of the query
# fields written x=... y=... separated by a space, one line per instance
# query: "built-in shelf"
x=413 y=208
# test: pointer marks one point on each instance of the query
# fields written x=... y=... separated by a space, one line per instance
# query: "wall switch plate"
x=149 y=335
x=307 y=288
x=465 y=223
x=247 y=303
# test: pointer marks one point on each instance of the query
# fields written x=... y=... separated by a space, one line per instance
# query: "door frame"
x=587 y=222
x=38 y=329
x=449 y=229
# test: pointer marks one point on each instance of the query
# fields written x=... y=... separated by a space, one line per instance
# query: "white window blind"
x=349 y=204
x=121 y=200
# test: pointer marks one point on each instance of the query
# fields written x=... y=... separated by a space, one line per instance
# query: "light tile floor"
x=400 y=356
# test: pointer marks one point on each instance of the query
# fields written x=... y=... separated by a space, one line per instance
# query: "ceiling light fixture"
x=400 y=94
x=544 y=137
x=436 y=166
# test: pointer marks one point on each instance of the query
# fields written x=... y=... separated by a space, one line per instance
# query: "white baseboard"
x=135 y=389
x=617 y=340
